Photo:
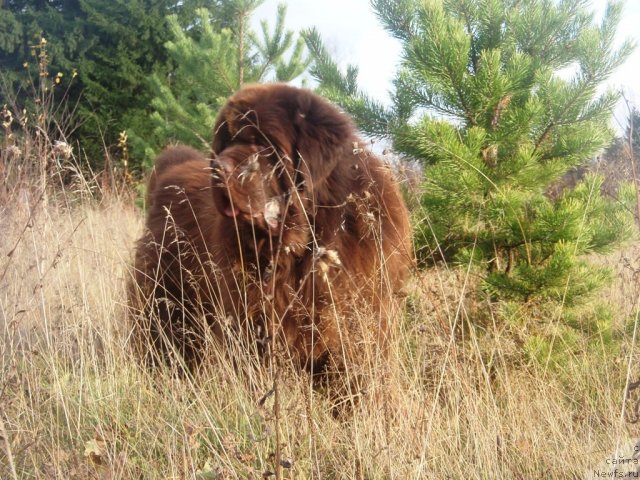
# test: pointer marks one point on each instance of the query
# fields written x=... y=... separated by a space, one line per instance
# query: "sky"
x=353 y=34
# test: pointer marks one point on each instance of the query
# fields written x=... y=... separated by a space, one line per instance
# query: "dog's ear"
x=323 y=135
x=237 y=121
x=232 y=119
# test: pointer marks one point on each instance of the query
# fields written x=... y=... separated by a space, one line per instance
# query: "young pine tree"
x=213 y=58
x=498 y=100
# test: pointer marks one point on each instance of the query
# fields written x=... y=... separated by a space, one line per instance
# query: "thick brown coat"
x=290 y=233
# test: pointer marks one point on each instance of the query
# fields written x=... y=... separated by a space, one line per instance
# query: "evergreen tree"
x=498 y=99
x=213 y=57
x=114 y=46
x=23 y=25
x=124 y=45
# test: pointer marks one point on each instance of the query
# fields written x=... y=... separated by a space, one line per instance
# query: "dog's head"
x=274 y=147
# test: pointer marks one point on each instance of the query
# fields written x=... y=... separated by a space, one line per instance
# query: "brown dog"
x=290 y=234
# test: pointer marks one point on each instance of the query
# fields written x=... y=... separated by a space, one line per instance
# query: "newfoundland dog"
x=293 y=237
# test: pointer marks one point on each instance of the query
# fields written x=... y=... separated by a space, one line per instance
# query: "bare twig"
x=24 y=229
x=5 y=438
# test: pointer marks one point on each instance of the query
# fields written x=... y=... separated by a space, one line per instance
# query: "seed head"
x=13 y=151
x=7 y=118
x=249 y=168
x=272 y=212
x=62 y=149
x=328 y=257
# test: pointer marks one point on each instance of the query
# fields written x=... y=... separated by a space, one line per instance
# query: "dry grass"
x=74 y=404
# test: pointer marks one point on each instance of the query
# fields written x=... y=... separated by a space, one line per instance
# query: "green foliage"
x=212 y=60
x=588 y=331
x=112 y=46
x=30 y=56
x=123 y=42
x=497 y=113
x=115 y=47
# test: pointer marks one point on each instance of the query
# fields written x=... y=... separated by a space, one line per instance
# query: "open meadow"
x=508 y=358
x=462 y=401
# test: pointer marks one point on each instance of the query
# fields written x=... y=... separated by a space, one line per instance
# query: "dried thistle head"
x=7 y=117
x=325 y=259
x=122 y=138
x=332 y=257
x=13 y=151
x=272 y=212
x=24 y=118
x=250 y=167
x=62 y=149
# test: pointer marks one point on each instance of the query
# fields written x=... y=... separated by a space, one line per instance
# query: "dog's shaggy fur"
x=289 y=229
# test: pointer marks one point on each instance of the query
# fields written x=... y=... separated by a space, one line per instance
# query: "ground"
x=458 y=403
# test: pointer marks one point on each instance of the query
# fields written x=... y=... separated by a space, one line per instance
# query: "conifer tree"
x=498 y=100
x=213 y=58
x=114 y=46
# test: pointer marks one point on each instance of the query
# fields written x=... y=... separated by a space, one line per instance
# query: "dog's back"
x=170 y=157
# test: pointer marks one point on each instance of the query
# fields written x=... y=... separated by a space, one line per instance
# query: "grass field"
x=460 y=403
